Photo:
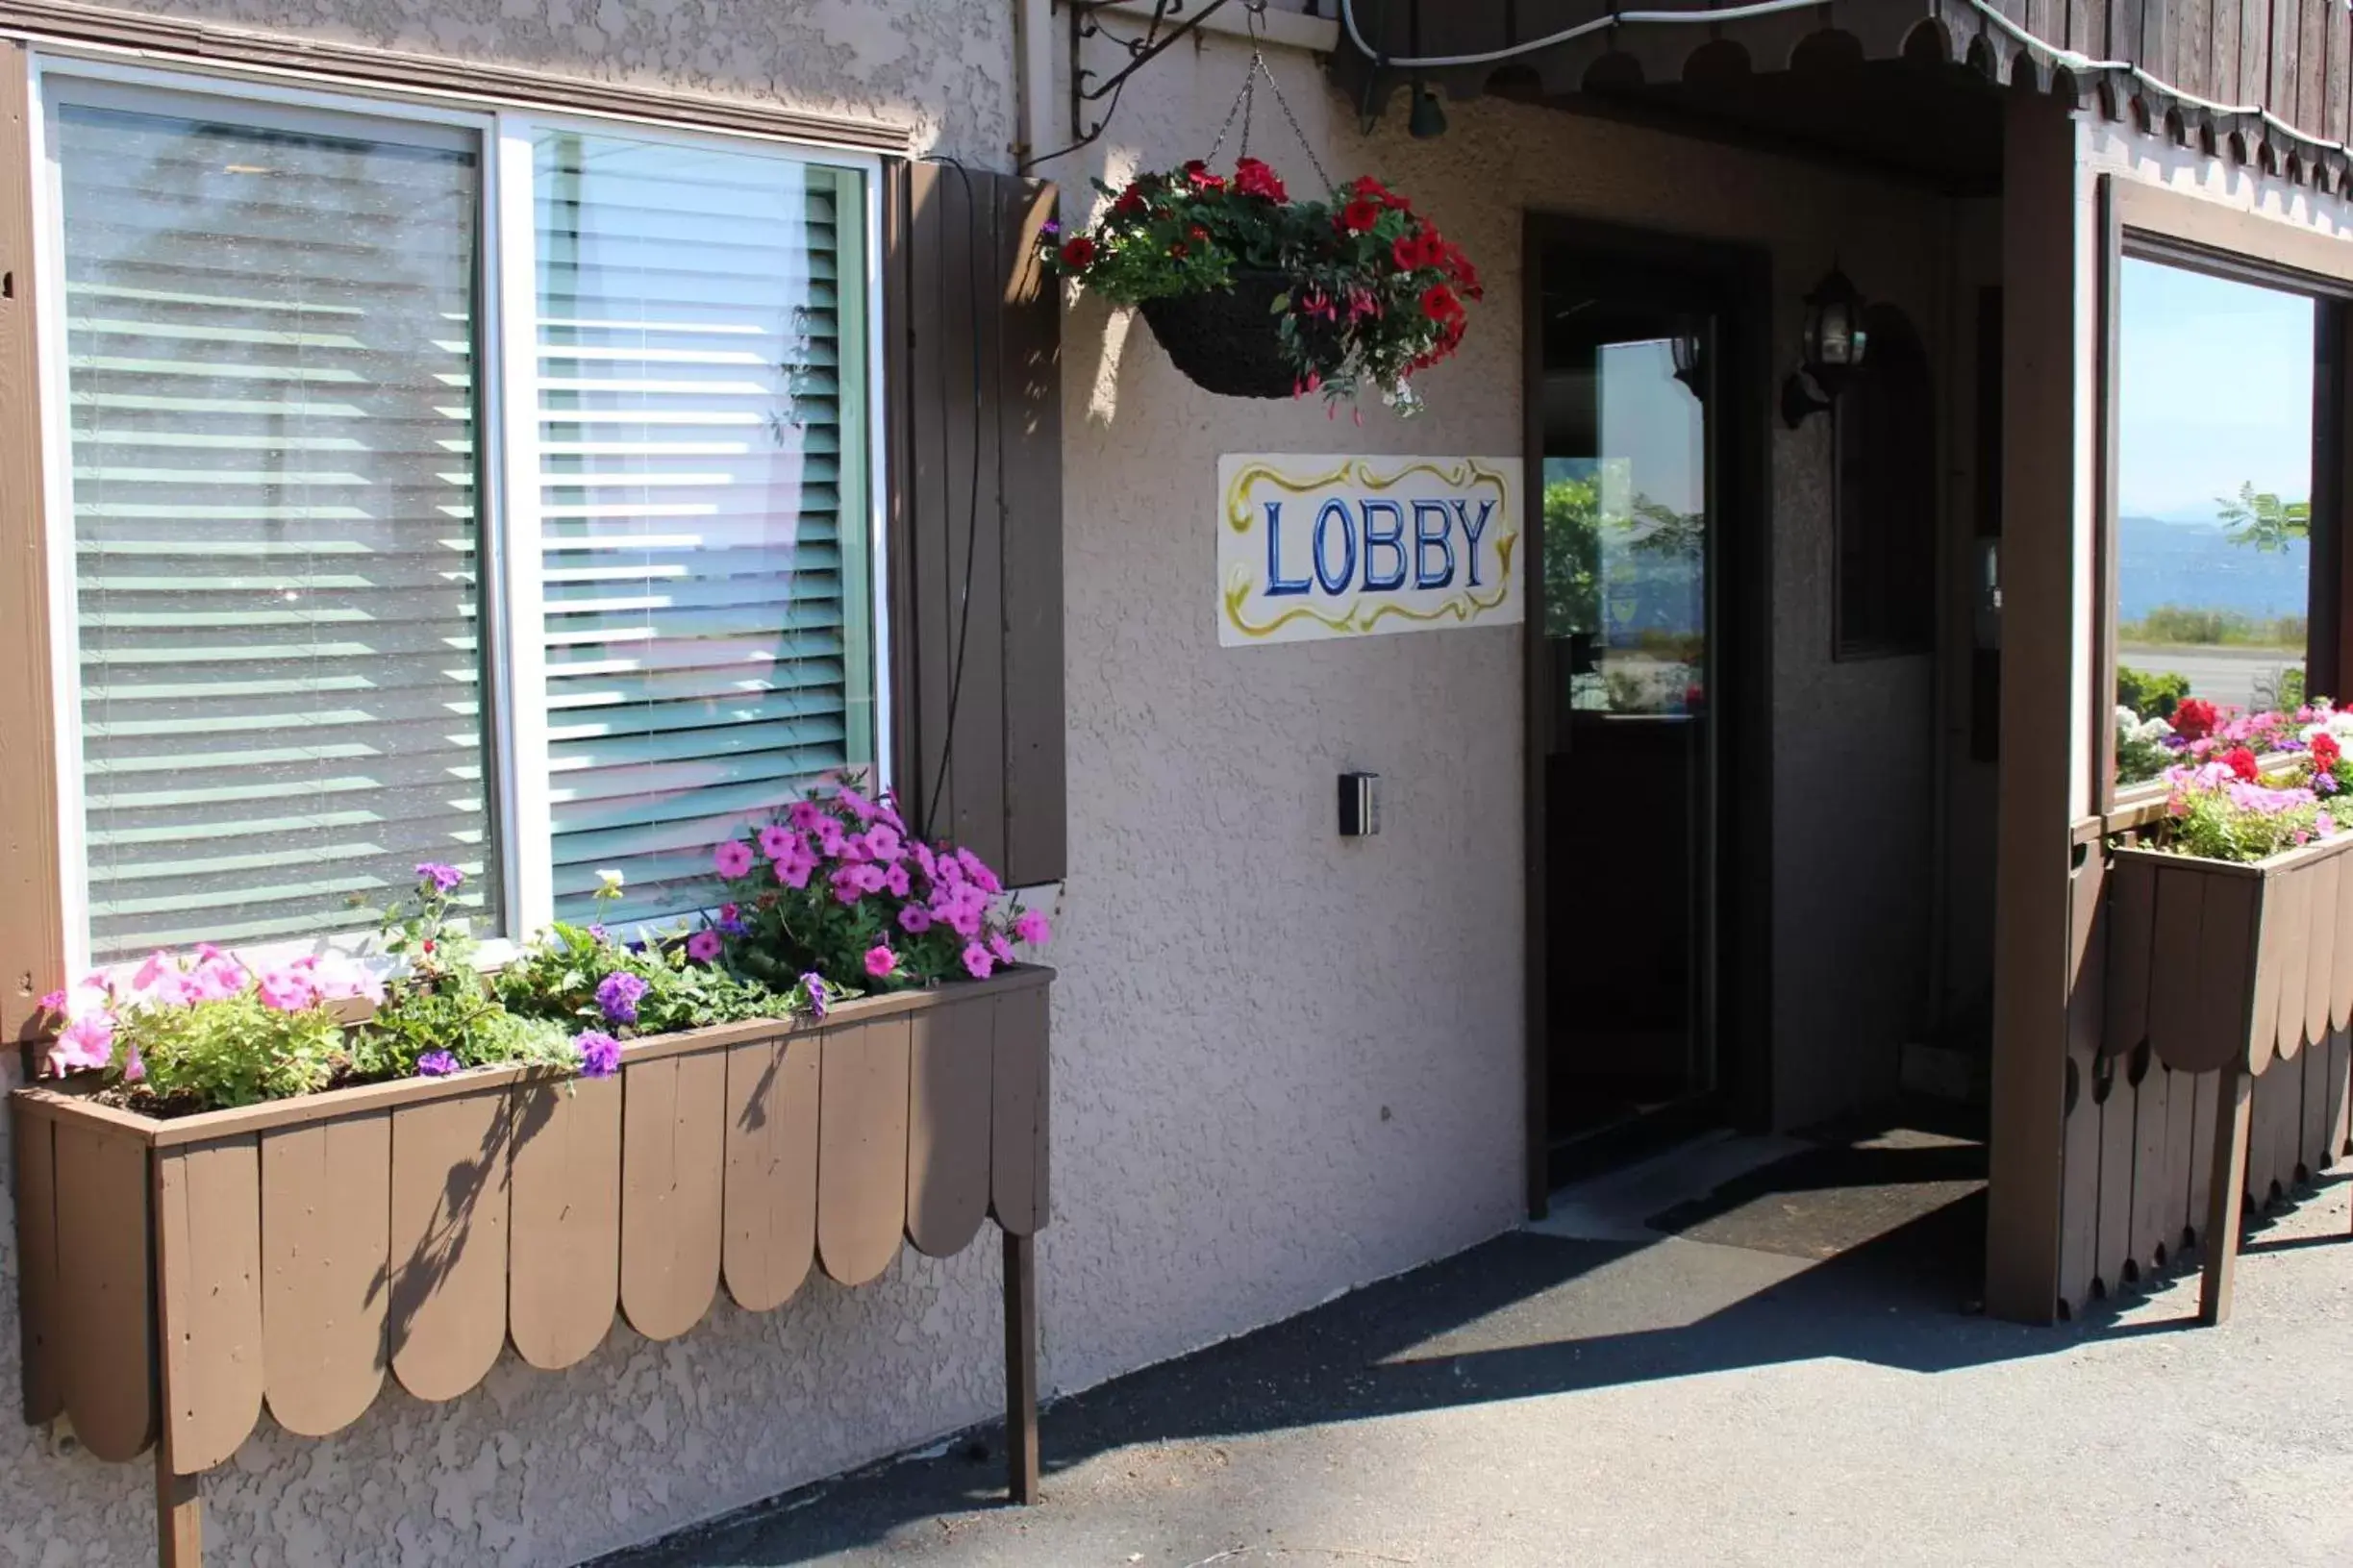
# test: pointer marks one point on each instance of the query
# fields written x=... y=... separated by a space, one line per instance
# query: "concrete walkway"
x=1592 y=1391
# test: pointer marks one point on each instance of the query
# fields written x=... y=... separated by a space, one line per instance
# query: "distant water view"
x=2195 y=566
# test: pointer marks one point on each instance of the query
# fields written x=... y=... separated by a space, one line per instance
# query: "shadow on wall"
x=1523 y=1316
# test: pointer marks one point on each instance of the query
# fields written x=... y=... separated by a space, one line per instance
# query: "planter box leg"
x=1022 y=1368
x=178 y=1516
x=2232 y=1107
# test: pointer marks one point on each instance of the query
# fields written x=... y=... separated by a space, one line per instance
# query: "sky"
x=2217 y=386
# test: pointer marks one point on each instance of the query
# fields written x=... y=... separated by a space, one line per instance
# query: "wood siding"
x=2291 y=58
x=975 y=383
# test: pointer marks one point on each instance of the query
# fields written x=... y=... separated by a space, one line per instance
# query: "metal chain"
x=1246 y=100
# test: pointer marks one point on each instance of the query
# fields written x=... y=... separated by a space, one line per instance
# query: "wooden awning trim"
x=1991 y=42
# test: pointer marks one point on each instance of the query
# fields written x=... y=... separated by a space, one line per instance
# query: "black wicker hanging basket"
x=1230 y=342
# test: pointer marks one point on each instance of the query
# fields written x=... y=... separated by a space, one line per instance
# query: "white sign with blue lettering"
x=1342 y=547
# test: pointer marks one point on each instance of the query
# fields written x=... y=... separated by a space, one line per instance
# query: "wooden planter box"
x=2228 y=967
x=177 y=1276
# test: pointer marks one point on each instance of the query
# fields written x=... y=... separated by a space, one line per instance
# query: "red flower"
x=2325 y=751
x=1253 y=178
x=1439 y=304
x=1078 y=253
x=1359 y=215
x=2241 y=762
x=1196 y=231
x=1413 y=252
x=1177 y=248
x=1131 y=200
x=1199 y=173
x=2193 y=719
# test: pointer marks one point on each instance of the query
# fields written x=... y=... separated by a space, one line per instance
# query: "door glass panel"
x=1625 y=570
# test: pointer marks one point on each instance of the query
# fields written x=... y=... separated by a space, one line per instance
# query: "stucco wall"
x=1284 y=1064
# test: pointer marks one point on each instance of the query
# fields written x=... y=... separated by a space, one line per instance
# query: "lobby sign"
x=1324 y=546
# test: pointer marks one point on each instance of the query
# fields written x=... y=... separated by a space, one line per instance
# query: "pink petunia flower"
x=978 y=870
x=1002 y=947
x=897 y=881
x=883 y=842
x=1029 y=926
x=794 y=869
x=288 y=989
x=85 y=1043
x=775 y=840
x=881 y=960
x=915 y=919
x=703 y=947
x=861 y=807
x=804 y=814
x=733 y=859
x=336 y=975
x=977 y=961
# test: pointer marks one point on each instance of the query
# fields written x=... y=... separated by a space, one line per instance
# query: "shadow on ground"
x=1520 y=1317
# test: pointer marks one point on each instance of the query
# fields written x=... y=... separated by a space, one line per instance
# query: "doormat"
x=1832 y=1197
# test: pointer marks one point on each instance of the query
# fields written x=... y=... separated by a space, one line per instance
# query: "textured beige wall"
x=1283 y=1064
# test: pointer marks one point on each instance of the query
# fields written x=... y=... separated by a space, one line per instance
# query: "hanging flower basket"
x=1228 y=341
x=1253 y=294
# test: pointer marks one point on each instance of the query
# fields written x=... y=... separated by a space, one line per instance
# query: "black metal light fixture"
x=1428 y=121
x=1829 y=350
x=1691 y=357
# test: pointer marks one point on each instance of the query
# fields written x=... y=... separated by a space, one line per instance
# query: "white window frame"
x=514 y=673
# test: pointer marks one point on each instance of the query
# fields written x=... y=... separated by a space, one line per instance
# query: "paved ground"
x=2239 y=676
x=1597 y=1392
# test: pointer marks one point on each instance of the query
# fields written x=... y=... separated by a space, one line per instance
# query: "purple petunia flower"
x=600 y=1054
x=814 y=984
x=444 y=878
x=436 y=1064
x=617 y=994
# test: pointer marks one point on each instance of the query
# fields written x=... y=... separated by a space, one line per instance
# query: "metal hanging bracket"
x=1170 y=23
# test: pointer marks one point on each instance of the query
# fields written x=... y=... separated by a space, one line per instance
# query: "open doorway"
x=1647 y=739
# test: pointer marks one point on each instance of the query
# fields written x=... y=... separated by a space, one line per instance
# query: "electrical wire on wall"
x=975 y=295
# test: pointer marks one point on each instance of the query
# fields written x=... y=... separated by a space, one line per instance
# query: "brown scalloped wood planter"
x=179 y=1275
x=2228 y=967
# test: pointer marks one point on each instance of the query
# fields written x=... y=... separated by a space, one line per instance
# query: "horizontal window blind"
x=703 y=462
x=270 y=369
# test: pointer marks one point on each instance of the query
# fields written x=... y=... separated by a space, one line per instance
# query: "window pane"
x=703 y=500
x=270 y=379
x=2214 y=493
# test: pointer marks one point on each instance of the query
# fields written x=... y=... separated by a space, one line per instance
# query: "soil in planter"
x=1229 y=342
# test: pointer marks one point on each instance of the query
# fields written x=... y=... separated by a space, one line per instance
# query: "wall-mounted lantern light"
x=1428 y=120
x=1691 y=361
x=1829 y=351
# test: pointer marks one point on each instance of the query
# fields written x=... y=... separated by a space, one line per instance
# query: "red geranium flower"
x=1439 y=304
x=1078 y=253
x=2193 y=719
x=2241 y=762
x=1131 y=200
x=1198 y=172
x=1196 y=231
x=1177 y=248
x=2325 y=751
x=1253 y=178
x=1360 y=215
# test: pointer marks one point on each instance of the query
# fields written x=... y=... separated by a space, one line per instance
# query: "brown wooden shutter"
x=974 y=383
x=32 y=917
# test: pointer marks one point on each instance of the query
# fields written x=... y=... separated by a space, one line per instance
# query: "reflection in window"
x=1625 y=541
x=2214 y=509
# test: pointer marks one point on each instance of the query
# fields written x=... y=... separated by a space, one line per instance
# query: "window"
x=2215 y=401
x=444 y=488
